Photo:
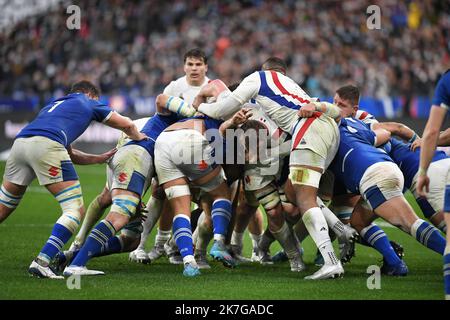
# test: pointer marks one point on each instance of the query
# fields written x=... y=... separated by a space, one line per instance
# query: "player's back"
x=356 y=153
x=280 y=97
x=408 y=160
x=182 y=89
x=65 y=119
x=153 y=128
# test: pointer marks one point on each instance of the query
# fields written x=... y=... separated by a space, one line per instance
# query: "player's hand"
x=102 y=158
x=197 y=101
x=423 y=183
x=307 y=111
x=141 y=136
x=241 y=116
x=416 y=144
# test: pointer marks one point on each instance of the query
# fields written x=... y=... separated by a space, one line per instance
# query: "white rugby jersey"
x=366 y=117
x=278 y=95
x=180 y=88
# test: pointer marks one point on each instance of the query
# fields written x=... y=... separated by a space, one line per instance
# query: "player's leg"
x=10 y=196
x=124 y=206
x=204 y=234
x=381 y=186
x=132 y=169
x=94 y=212
x=17 y=176
x=214 y=185
x=179 y=197
x=54 y=170
x=373 y=236
x=154 y=209
x=256 y=230
x=269 y=198
x=315 y=143
x=432 y=205
x=244 y=213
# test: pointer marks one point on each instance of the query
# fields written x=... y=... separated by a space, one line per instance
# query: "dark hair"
x=276 y=64
x=234 y=86
x=85 y=87
x=196 y=53
x=350 y=93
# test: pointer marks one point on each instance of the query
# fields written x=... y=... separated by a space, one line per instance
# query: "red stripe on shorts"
x=303 y=129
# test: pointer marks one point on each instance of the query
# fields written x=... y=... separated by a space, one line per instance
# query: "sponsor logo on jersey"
x=53 y=171
x=122 y=176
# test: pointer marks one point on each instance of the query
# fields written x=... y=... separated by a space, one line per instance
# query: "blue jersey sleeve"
x=101 y=112
x=442 y=93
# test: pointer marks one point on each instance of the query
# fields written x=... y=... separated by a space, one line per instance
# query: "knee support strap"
x=8 y=199
x=304 y=176
x=71 y=201
x=177 y=191
x=268 y=198
x=125 y=204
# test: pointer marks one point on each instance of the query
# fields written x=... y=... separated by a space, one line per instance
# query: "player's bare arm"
x=126 y=125
x=239 y=118
x=443 y=140
x=82 y=158
x=430 y=139
x=397 y=129
x=327 y=108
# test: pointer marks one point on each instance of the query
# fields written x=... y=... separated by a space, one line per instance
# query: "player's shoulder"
x=176 y=85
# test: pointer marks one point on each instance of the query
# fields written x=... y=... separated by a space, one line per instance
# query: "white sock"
x=265 y=242
x=161 y=237
x=442 y=226
x=333 y=222
x=205 y=235
x=255 y=239
x=318 y=230
x=237 y=239
x=285 y=237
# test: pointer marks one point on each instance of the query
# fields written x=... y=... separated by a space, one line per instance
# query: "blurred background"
x=133 y=49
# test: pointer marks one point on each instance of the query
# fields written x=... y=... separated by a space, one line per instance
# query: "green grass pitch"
x=23 y=234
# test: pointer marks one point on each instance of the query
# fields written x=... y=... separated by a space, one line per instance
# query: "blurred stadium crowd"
x=137 y=46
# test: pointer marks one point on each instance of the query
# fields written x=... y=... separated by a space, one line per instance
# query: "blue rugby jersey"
x=153 y=128
x=408 y=160
x=356 y=153
x=65 y=119
x=442 y=93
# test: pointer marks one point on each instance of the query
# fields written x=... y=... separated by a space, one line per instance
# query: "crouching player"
x=41 y=150
x=182 y=156
x=380 y=183
x=131 y=170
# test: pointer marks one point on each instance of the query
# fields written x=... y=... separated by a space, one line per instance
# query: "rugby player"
x=439 y=109
x=185 y=88
x=314 y=144
x=41 y=150
x=380 y=183
x=129 y=176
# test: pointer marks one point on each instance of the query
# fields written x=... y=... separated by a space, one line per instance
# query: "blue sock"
x=221 y=216
x=182 y=233
x=447 y=273
x=379 y=240
x=428 y=235
x=60 y=236
x=114 y=245
x=95 y=243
